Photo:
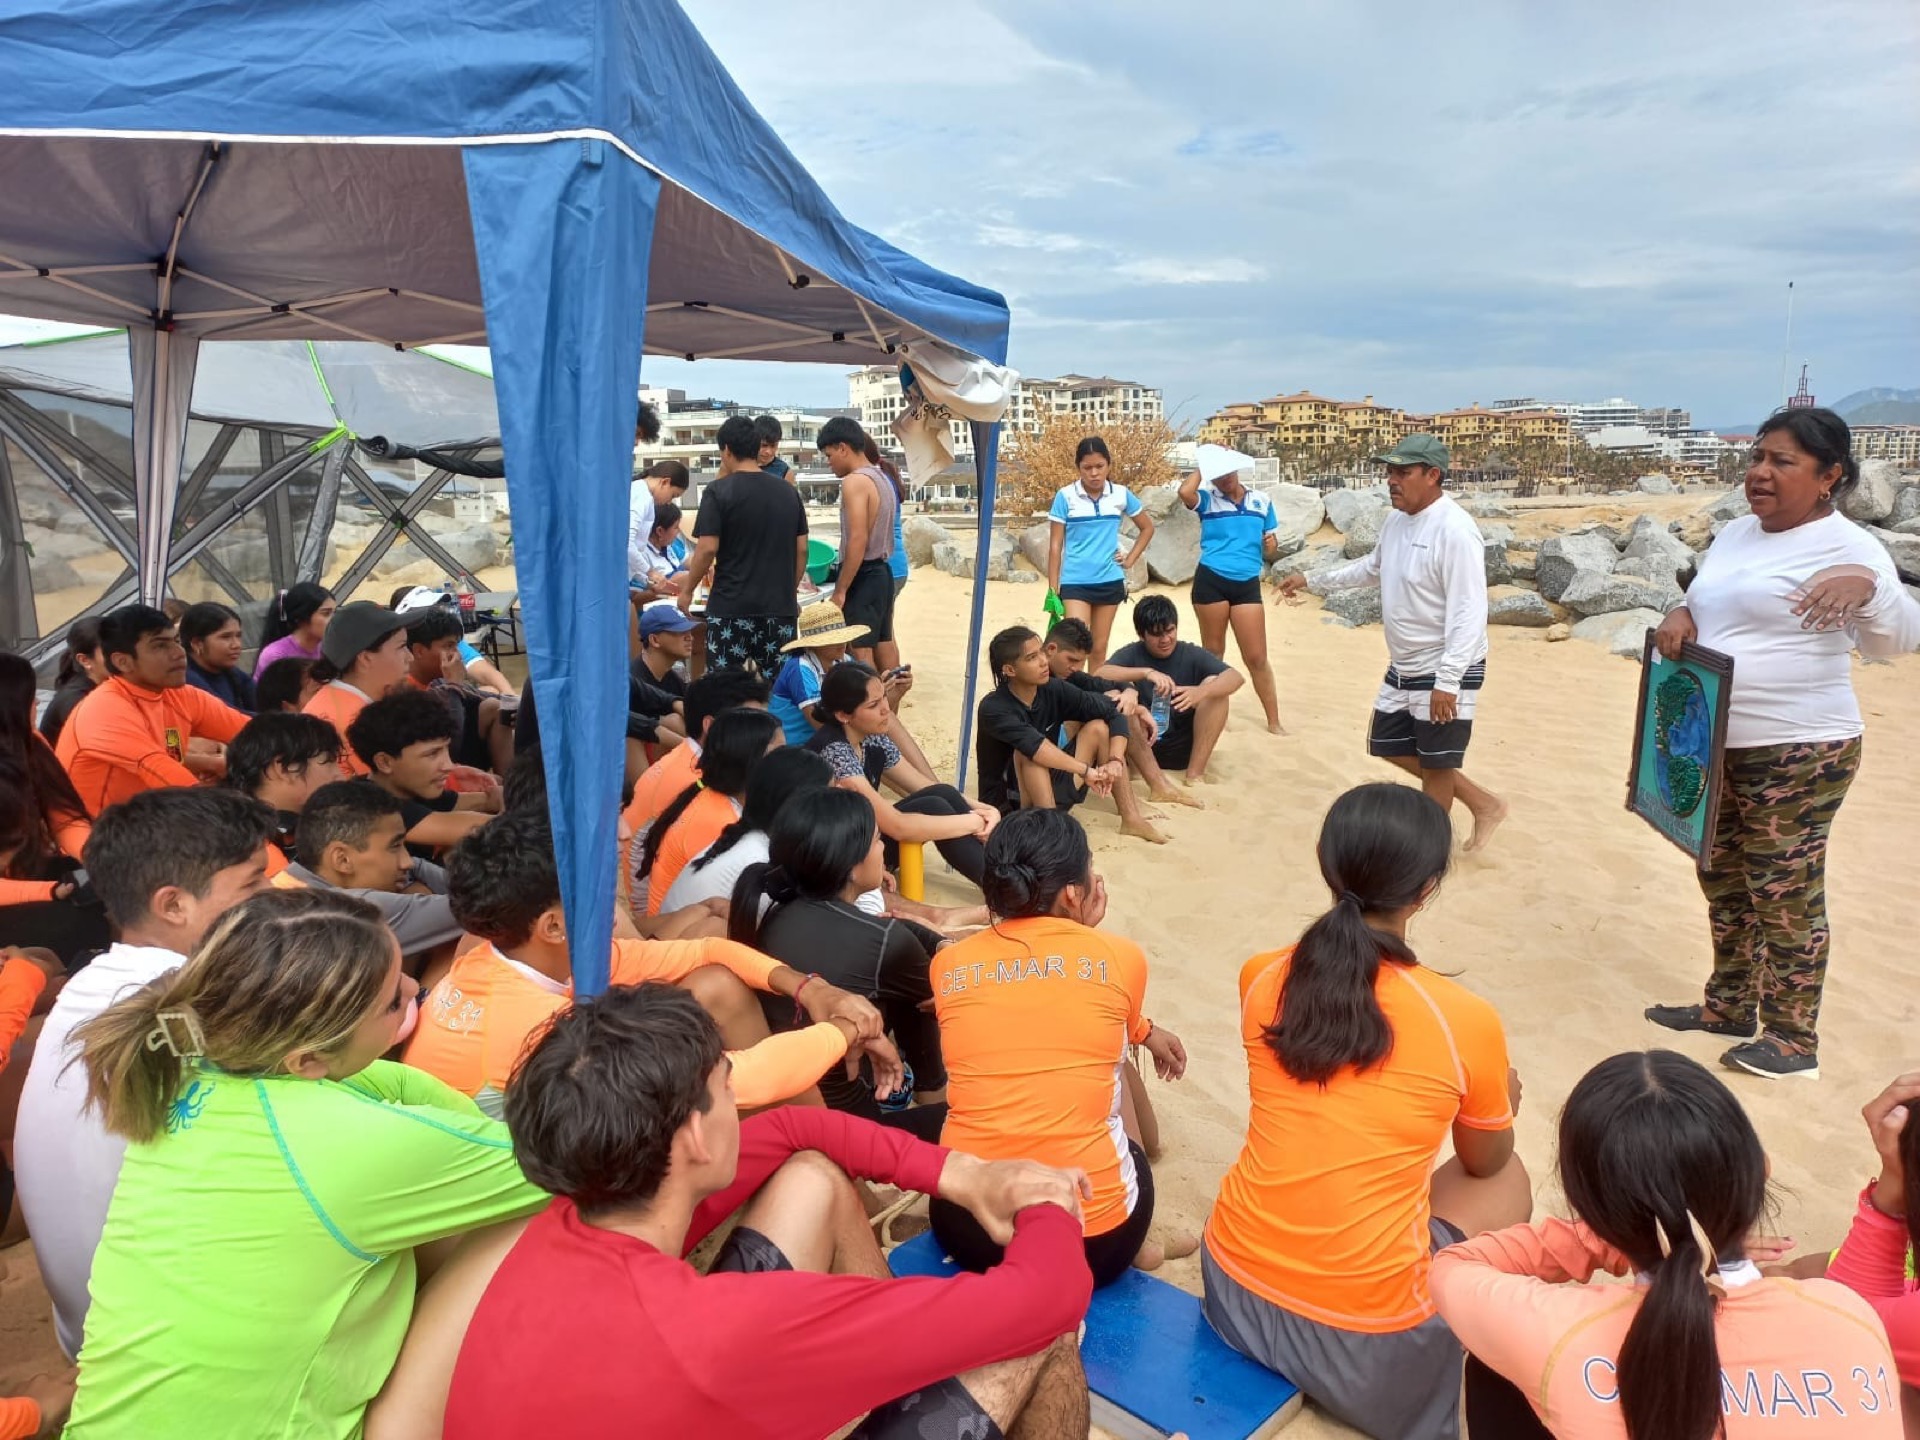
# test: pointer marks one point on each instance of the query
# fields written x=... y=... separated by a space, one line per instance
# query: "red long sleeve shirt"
x=1872 y=1263
x=595 y=1335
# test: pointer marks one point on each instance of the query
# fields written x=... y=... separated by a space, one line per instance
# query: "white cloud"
x=1166 y=270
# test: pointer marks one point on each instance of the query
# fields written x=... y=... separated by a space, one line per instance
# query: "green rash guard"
x=256 y=1274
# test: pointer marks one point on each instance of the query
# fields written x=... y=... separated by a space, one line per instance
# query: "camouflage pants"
x=1766 y=885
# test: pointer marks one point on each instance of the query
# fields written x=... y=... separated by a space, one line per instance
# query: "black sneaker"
x=1772 y=1060
x=1694 y=1017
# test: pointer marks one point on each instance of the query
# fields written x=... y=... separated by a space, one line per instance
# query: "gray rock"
x=1668 y=554
x=1612 y=534
x=1173 y=554
x=51 y=572
x=1695 y=531
x=1363 y=533
x=1034 y=541
x=1502 y=533
x=1564 y=556
x=1486 y=509
x=1730 y=506
x=1518 y=607
x=1499 y=568
x=1344 y=505
x=1288 y=542
x=1655 y=484
x=475 y=547
x=1307 y=562
x=1522 y=563
x=1521 y=542
x=1871 y=501
x=1623 y=632
x=1354 y=607
x=1643 y=567
x=1298 y=508
x=920 y=536
x=72 y=520
x=64 y=544
x=1137 y=576
x=1593 y=593
x=950 y=559
x=1906 y=527
x=1906 y=506
x=1560 y=631
x=999 y=555
x=1905 y=550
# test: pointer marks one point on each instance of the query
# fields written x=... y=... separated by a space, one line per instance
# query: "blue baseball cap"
x=663 y=620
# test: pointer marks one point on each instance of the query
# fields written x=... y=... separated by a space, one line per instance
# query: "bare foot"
x=1198 y=778
x=1485 y=823
x=1154 y=1253
x=1171 y=796
x=1141 y=830
x=1274 y=727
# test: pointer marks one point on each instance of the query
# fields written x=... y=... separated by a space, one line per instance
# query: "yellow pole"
x=913 y=870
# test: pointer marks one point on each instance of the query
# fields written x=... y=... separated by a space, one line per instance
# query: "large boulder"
x=1565 y=556
x=1655 y=484
x=1499 y=568
x=1363 y=533
x=1906 y=527
x=1344 y=505
x=1034 y=541
x=1308 y=562
x=1592 y=593
x=1486 y=509
x=921 y=534
x=475 y=547
x=75 y=521
x=1298 y=508
x=1523 y=564
x=1651 y=541
x=1906 y=506
x=1288 y=542
x=50 y=572
x=950 y=559
x=1354 y=607
x=954 y=559
x=1730 y=506
x=1137 y=577
x=1509 y=605
x=1694 y=530
x=1905 y=550
x=1173 y=554
x=65 y=544
x=1871 y=501
x=1624 y=632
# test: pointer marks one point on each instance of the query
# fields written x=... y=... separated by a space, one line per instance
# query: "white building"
x=690 y=432
x=1094 y=401
x=1695 y=450
x=1898 y=443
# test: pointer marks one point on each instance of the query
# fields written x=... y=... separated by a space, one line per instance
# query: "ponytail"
x=290 y=609
x=1658 y=1159
x=1383 y=848
x=776 y=778
x=760 y=883
x=736 y=741
x=136 y=1060
x=656 y=835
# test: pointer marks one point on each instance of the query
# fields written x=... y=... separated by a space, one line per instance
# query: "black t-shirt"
x=651 y=697
x=1187 y=665
x=413 y=811
x=758 y=521
x=1007 y=727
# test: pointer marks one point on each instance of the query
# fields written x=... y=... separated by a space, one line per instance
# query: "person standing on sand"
x=1239 y=533
x=1086 y=567
x=1430 y=566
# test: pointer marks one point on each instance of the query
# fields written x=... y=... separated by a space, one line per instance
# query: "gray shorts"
x=1399 y=1386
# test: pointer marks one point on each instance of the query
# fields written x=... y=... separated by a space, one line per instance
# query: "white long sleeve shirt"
x=1432 y=572
x=640 y=512
x=1793 y=686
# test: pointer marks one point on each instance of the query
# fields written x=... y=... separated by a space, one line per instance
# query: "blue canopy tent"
x=566 y=184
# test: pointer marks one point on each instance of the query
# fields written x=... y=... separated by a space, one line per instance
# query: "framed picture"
x=1680 y=745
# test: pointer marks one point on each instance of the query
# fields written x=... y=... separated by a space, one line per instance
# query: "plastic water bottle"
x=1162 y=709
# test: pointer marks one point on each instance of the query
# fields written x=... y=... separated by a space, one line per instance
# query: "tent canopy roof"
x=415 y=397
x=300 y=176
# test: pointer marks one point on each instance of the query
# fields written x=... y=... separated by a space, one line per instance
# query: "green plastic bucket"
x=820 y=560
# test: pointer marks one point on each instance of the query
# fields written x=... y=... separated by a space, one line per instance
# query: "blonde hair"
x=283 y=971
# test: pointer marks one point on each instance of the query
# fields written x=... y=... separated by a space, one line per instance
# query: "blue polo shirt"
x=1093 y=532
x=1232 y=536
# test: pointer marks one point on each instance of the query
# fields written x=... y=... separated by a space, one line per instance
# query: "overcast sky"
x=1432 y=204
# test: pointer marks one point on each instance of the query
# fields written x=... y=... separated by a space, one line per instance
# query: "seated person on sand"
x=1021 y=742
x=280 y=759
x=403 y=741
x=822 y=644
x=474 y=1023
x=1036 y=1017
x=435 y=647
x=854 y=715
x=167 y=865
x=587 y=1321
x=712 y=694
x=776 y=778
x=1362 y=1064
x=352 y=837
x=695 y=817
x=1069 y=647
x=1193 y=686
x=657 y=682
x=257 y=1269
x=823 y=853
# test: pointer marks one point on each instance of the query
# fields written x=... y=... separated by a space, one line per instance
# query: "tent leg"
x=312 y=559
x=19 y=621
x=163 y=366
x=986 y=471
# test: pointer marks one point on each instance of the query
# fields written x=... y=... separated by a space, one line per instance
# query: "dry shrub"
x=1037 y=463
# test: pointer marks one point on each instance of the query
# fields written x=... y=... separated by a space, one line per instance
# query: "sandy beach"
x=1574 y=919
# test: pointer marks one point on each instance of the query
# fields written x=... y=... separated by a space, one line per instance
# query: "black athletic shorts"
x=1212 y=589
x=1109 y=1255
x=1114 y=592
x=944 y=1410
x=1401 y=727
x=870 y=602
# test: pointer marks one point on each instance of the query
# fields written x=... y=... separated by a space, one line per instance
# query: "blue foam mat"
x=1154 y=1365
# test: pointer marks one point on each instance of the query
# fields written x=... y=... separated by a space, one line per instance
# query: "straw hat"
x=822 y=623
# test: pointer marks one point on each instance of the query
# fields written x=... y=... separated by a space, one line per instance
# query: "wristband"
x=799 y=1012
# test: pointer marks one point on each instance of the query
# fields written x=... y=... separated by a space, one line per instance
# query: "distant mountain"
x=1880 y=406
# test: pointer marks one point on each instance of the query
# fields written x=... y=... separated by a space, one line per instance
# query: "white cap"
x=1214 y=461
x=422 y=597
